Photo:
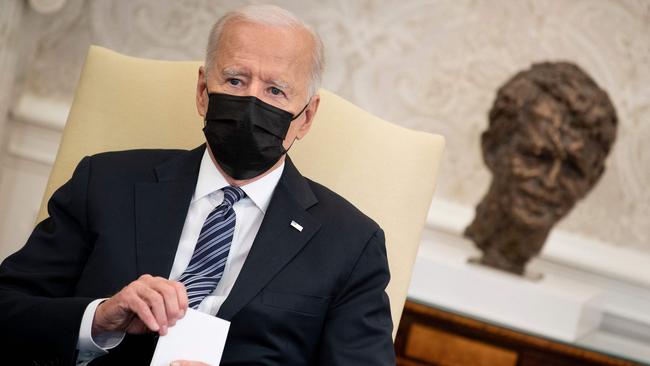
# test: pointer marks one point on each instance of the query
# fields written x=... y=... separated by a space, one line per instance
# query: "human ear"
x=201 y=96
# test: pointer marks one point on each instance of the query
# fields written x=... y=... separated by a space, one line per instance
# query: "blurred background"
x=427 y=65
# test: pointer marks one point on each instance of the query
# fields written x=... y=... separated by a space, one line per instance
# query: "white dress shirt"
x=249 y=213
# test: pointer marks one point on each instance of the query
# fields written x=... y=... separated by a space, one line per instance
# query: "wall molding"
x=40 y=111
x=46 y=6
x=35 y=127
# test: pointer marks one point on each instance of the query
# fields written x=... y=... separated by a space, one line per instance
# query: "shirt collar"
x=211 y=180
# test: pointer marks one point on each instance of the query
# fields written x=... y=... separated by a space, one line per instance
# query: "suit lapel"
x=277 y=241
x=160 y=210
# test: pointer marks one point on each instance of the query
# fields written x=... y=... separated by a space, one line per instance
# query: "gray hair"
x=270 y=15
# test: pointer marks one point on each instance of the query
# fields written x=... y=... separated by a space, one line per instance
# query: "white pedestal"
x=551 y=307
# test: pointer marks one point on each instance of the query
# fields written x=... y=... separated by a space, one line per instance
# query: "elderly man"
x=230 y=228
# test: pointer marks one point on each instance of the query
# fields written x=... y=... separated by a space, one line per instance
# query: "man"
x=230 y=228
x=551 y=128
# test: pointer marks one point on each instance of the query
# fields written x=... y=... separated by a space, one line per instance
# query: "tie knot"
x=232 y=194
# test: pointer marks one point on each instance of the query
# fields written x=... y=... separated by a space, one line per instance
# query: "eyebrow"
x=282 y=84
x=231 y=71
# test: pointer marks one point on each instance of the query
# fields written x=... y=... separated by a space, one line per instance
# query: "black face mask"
x=245 y=134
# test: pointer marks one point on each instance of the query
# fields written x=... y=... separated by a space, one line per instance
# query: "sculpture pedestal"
x=551 y=306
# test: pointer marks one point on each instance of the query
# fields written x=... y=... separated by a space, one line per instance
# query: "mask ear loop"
x=302 y=110
x=294 y=118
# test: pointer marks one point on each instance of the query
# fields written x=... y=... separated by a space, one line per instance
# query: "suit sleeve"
x=39 y=314
x=358 y=328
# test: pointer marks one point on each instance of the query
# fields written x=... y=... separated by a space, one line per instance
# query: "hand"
x=146 y=304
x=188 y=363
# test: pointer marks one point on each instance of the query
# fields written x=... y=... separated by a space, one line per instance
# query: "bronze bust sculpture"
x=550 y=130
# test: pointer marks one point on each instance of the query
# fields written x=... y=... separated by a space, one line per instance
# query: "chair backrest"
x=387 y=171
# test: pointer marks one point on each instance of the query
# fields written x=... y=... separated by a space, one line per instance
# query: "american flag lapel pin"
x=296 y=225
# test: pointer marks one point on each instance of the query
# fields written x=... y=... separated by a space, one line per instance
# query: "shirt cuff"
x=91 y=347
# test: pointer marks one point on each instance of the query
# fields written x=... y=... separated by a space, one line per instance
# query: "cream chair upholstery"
x=387 y=171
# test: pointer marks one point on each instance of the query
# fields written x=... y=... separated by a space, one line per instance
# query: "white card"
x=195 y=337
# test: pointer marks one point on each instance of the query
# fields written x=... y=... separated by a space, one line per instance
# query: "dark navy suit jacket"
x=310 y=297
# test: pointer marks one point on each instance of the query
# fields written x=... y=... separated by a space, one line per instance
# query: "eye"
x=276 y=91
x=573 y=167
x=546 y=156
x=234 y=82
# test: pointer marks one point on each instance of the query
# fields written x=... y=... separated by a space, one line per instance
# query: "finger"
x=183 y=300
x=157 y=306
x=168 y=292
x=142 y=310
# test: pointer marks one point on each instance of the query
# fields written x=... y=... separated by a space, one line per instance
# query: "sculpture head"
x=550 y=129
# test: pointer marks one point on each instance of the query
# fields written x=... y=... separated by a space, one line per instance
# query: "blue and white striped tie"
x=206 y=267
